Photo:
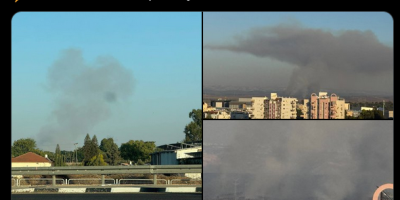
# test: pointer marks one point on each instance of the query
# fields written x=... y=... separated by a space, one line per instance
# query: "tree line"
x=91 y=153
x=107 y=152
x=388 y=105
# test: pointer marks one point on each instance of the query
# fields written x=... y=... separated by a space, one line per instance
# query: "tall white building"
x=274 y=108
x=257 y=107
x=280 y=107
x=288 y=107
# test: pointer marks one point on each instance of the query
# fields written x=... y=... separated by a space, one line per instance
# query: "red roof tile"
x=29 y=157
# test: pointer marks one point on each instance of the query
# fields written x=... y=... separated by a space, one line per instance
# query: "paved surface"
x=109 y=196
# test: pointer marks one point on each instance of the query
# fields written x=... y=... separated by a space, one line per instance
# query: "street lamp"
x=76 y=154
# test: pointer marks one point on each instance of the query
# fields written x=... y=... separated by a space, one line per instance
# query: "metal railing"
x=185 y=181
x=141 y=181
x=87 y=181
x=37 y=181
x=99 y=181
x=144 y=169
x=14 y=182
x=105 y=170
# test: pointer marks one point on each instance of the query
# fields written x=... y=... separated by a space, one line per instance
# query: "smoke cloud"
x=84 y=95
x=323 y=58
x=298 y=160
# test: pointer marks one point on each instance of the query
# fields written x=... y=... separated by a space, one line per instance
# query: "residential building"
x=326 y=107
x=220 y=103
x=338 y=109
x=31 y=159
x=207 y=108
x=246 y=103
x=346 y=106
x=257 y=107
x=236 y=105
x=223 y=115
x=390 y=114
x=280 y=107
x=217 y=114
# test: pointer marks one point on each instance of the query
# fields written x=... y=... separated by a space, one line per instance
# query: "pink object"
x=380 y=189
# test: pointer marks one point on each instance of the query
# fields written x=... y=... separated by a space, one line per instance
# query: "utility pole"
x=76 y=155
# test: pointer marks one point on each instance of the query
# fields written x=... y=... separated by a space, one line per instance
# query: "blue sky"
x=225 y=65
x=162 y=51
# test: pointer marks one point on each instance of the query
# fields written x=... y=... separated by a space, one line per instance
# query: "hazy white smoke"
x=339 y=160
x=83 y=95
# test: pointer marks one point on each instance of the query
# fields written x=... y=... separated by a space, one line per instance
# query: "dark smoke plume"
x=322 y=57
x=323 y=160
x=83 y=94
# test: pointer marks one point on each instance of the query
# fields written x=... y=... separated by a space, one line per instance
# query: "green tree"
x=58 y=151
x=136 y=150
x=96 y=160
x=23 y=146
x=140 y=162
x=193 y=130
x=110 y=149
x=87 y=138
x=208 y=116
x=59 y=159
x=90 y=149
x=94 y=140
x=370 y=114
x=80 y=154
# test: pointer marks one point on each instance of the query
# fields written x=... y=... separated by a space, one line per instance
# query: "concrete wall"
x=30 y=164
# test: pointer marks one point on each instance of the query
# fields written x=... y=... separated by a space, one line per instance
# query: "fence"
x=103 y=170
x=14 y=182
x=37 y=181
x=98 y=181
x=141 y=181
x=90 y=181
x=185 y=182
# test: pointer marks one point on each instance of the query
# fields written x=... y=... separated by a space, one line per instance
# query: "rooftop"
x=30 y=157
x=179 y=145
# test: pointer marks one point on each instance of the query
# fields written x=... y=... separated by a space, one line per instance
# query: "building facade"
x=31 y=159
x=324 y=106
x=280 y=107
x=257 y=107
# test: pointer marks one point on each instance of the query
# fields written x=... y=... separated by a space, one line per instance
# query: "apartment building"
x=324 y=106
